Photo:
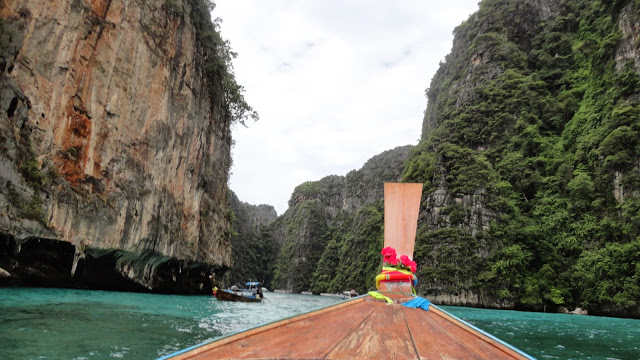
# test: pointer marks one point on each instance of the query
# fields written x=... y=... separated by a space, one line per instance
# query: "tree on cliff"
x=219 y=56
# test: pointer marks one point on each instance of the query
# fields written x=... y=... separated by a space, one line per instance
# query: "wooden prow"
x=366 y=327
x=401 y=207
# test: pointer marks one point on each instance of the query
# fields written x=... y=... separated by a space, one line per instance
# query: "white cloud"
x=335 y=82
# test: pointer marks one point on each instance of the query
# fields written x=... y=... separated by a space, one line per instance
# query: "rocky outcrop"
x=110 y=139
x=255 y=216
x=576 y=311
x=305 y=231
x=461 y=138
x=252 y=254
x=628 y=55
x=359 y=187
x=322 y=212
x=477 y=55
x=529 y=138
x=629 y=46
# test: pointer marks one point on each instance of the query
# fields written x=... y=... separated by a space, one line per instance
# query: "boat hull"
x=381 y=325
x=226 y=295
x=360 y=328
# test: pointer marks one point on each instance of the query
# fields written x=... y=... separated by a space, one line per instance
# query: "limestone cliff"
x=529 y=155
x=359 y=187
x=251 y=253
x=114 y=145
x=329 y=213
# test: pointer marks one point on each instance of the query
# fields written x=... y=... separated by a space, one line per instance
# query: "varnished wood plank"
x=401 y=207
x=304 y=337
x=383 y=335
x=477 y=341
x=434 y=341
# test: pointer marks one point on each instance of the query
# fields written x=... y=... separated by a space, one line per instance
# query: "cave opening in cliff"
x=12 y=107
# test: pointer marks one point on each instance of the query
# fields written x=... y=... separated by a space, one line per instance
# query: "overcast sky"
x=335 y=82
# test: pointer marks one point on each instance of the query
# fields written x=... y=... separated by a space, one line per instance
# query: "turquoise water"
x=77 y=324
x=39 y=323
x=558 y=336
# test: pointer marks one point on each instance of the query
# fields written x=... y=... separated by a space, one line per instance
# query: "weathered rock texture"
x=629 y=46
x=252 y=255
x=328 y=212
x=359 y=187
x=529 y=140
x=109 y=138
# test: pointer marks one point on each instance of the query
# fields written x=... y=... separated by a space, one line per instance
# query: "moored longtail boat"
x=389 y=323
x=253 y=293
x=229 y=295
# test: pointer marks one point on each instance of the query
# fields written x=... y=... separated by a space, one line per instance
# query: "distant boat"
x=253 y=293
x=306 y=293
x=349 y=294
x=390 y=323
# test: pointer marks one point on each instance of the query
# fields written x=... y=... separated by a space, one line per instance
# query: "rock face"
x=326 y=214
x=251 y=253
x=358 y=188
x=629 y=46
x=530 y=139
x=109 y=139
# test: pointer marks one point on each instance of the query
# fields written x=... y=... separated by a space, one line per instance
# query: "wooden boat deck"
x=362 y=328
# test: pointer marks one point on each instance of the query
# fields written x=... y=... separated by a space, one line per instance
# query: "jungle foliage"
x=253 y=252
x=352 y=254
x=306 y=238
x=218 y=56
x=534 y=116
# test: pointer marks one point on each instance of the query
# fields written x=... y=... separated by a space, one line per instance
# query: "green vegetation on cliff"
x=304 y=243
x=252 y=248
x=353 y=252
x=218 y=67
x=533 y=118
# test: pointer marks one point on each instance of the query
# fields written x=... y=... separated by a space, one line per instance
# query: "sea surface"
x=45 y=323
